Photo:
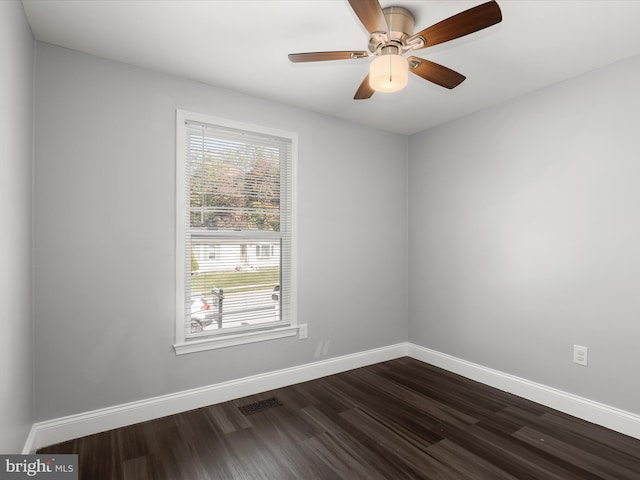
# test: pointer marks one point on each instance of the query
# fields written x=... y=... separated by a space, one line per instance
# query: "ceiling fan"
x=392 y=36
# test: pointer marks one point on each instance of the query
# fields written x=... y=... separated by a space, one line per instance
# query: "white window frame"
x=220 y=340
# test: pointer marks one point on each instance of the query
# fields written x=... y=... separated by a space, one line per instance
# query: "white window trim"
x=182 y=345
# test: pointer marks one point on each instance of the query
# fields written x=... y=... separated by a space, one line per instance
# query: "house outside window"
x=235 y=244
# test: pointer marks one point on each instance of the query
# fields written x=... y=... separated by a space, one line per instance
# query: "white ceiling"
x=243 y=45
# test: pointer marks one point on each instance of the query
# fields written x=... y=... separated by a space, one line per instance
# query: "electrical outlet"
x=580 y=355
x=303 y=331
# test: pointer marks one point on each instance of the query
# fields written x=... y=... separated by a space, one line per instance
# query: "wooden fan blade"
x=364 y=90
x=462 y=24
x=324 y=56
x=370 y=14
x=434 y=72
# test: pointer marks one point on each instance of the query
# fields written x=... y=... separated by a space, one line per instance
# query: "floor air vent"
x=257 y=407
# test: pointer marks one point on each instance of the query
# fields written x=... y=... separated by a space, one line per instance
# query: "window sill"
x=212 y=343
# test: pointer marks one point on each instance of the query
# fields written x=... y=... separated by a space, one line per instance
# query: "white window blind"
x=236 y=233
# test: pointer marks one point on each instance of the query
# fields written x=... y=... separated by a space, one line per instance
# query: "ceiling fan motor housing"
x=400 y=22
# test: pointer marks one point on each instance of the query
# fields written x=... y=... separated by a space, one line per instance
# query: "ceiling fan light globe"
x=389 y=73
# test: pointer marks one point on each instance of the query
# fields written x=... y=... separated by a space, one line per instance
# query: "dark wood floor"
x=401 y=419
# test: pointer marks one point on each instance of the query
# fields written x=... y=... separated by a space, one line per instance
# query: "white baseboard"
x=589 y=410
x=30 y=444
x=74 y=426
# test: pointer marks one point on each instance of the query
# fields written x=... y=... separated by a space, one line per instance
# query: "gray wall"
x=522 y=231
x=524 y=236
x=16 y=147
x=104 y=246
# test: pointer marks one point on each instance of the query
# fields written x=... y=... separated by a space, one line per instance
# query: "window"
x=265 y=250
x=234 y=233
